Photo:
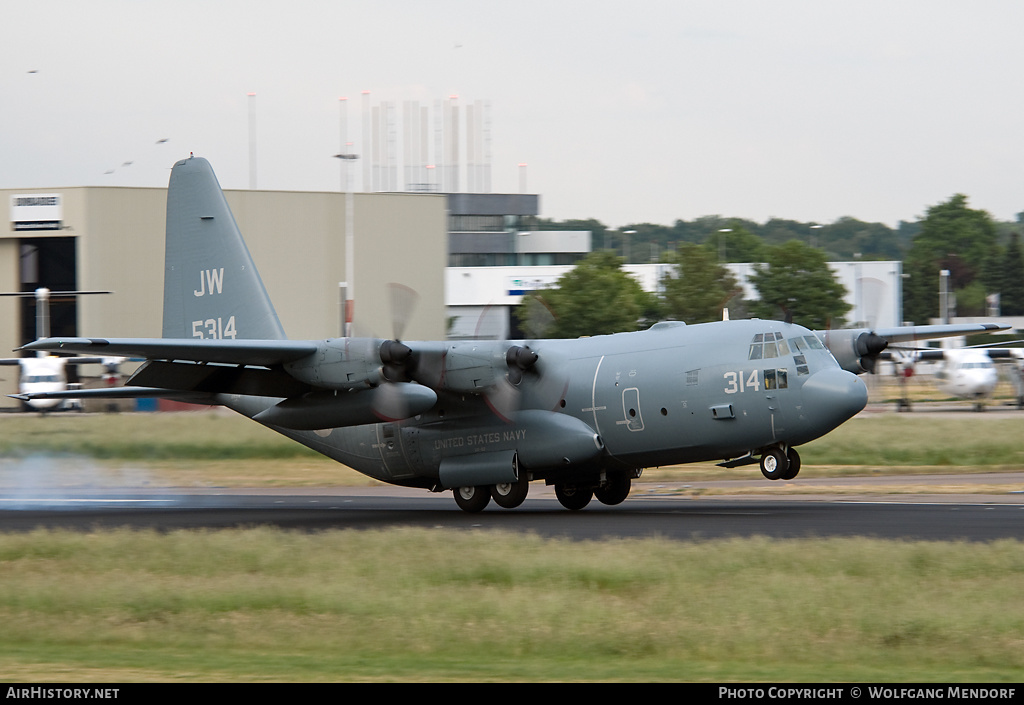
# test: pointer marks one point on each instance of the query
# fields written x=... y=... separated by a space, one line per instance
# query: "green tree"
x=993 y=270
x=735 y=244
x=595 y=297
x=953 y=237
x=796 y=281
x=849 y=238
x=1012 y=290
x=699 y=287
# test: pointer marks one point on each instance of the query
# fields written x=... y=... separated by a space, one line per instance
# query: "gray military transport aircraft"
x=484 y=418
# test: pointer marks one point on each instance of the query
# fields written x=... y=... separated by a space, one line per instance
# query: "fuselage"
x=668 y=395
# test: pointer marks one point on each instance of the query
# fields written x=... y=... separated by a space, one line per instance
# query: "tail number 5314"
x=214 y=328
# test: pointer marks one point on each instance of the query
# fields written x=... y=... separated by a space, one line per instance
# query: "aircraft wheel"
x=794 y=464
x=573 y=497
x=510 y=494
x=774 y=464
x=615 y=490
x=472 y=499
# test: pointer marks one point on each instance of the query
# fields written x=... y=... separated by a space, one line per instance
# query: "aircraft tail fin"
x=211 y=286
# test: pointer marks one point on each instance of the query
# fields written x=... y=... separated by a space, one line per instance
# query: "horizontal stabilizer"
x=119 y=393
x=238 y=352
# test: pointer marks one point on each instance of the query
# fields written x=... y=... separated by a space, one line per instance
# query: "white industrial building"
x=480 y=299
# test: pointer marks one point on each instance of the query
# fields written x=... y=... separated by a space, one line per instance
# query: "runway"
x=652 y=510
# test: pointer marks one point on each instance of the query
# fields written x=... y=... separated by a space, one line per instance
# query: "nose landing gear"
x=780 y=463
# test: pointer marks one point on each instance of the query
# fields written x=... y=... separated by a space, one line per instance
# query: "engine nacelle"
x=321 y=410
x=856 y=350
x=347 y=363
x=471 y=367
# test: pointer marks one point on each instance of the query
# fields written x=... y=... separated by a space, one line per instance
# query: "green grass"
x=924 y=439
x=405 y=605
x=198 y=435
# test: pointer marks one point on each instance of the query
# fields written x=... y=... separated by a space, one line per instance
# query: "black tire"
x=573 y=497
x=472 y=499
x=794 y=464
x=510 y=494
x=615 y=490
x=774 y=464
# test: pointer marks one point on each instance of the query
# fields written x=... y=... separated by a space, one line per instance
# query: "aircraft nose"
x=831 y=397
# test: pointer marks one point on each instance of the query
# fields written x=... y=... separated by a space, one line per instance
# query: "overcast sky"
x=640 y=111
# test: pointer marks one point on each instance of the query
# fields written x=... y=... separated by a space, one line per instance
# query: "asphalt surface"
x=665 y=510
x=990 y=506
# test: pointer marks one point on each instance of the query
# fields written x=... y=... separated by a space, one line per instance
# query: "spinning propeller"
x=869 y=346
x=395 y=397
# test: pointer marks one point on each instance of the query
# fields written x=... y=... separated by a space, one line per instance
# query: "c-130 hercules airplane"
x=485 y=418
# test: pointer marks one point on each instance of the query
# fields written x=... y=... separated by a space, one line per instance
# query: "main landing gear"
x=780 y=464
x=475 y=498
x=613 y=489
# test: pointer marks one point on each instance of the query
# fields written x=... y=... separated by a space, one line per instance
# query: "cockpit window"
x=772 y=345
x=813 y=342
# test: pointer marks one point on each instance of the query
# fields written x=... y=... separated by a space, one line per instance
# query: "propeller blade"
x=403 y=302
x=504 y=399
x=396 y=401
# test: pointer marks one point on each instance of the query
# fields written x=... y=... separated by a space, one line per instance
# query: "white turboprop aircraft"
x=964 y=373
x=48 y=373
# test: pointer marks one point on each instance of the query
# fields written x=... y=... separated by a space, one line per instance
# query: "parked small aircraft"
x=485 y=417
x=48 y=373
x=965 y=373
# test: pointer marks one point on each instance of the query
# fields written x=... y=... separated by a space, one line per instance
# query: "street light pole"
x=350 y=246
x=721 y=244
x=814 y=236
x=626 y=244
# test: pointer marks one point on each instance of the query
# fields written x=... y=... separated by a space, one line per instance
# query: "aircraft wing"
x=227 y=366
x=904 y=334
x=857 y=349
x=233 y=352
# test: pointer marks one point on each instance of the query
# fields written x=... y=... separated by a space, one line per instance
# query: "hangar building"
x=104 y=238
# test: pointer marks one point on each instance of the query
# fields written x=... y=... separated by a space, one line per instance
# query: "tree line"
x=982 y=257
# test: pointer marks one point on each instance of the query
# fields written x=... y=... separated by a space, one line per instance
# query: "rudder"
x=212 y=289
